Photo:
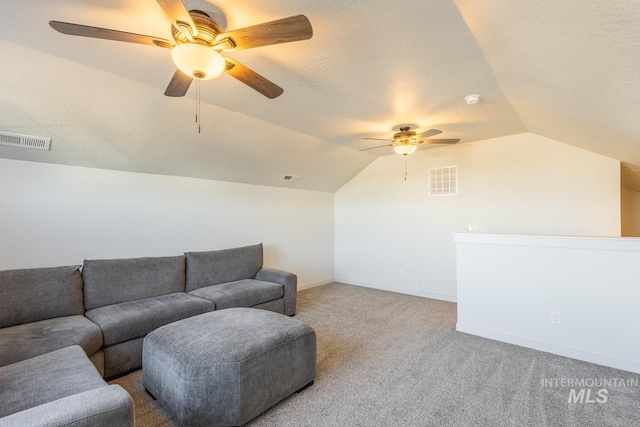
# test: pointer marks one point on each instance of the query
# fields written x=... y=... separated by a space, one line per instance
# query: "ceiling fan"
x=198 y=41
x=406 y=141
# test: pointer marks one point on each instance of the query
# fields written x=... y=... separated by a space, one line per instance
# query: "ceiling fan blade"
x=379 y=139
x=104 y=33
x=284 y=30
x=179 y=84
x=379 y=146
x=179 y=16
x=252 y=79
x=440 y=141
x=429 y=133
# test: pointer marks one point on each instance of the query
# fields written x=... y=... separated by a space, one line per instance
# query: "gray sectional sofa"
x=108 y=306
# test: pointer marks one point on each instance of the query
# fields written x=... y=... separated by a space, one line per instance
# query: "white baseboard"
x=398 y=290
x=600 y=359
x=314 y=284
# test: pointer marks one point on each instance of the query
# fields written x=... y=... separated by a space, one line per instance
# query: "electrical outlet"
x=555 y=317
x=402 y=272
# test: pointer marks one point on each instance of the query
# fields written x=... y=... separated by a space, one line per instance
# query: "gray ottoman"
x=226 y=367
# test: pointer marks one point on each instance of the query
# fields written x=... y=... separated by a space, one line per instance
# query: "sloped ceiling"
x=565 y=70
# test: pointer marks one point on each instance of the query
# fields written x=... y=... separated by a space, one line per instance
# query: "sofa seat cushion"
x=135 y=319
x=46 y=378
x=25 y=341
x=242 y=293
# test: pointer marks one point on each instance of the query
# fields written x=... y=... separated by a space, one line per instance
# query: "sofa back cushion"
x=227 y=265
x=30 y=295
x=113 y=281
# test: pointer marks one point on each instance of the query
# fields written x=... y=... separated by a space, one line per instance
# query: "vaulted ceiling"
x=566 y=70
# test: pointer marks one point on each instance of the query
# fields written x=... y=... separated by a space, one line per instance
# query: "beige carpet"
x=392 y=359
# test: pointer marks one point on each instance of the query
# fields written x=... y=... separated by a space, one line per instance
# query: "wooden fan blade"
x=104 y=33
x=379 y=146
x=252 y=79
x=179 y=16
x=284 y=30
x=179 y=84
x=379 y=139
x=429 y=133
x=440 y=141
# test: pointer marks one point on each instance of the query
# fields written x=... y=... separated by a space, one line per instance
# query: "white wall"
x=391 y=234
x=57 y=215
x=508 y=286
x=630 y=205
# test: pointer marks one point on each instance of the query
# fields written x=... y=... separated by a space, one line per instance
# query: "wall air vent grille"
x=443 y=181
x=291 y=178
x=24 y=141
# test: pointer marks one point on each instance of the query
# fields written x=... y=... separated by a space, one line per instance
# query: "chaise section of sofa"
x=128 y=298
x=41 y=310
x=61 y=388
x=236 y=278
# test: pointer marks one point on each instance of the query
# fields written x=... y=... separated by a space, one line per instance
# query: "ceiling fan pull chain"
x=405 y=167
x=198 y=115
x=196 y=101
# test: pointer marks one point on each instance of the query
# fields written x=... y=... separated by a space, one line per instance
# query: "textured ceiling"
x=566 y=70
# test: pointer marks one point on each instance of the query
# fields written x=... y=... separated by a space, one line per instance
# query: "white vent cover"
x=24 y=141
x=443 y=181
x=291 y=178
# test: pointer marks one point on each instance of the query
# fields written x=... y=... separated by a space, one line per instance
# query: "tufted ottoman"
x=228 y=366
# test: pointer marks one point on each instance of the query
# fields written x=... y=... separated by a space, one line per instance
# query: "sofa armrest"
x=105 y=406
x=288 y=280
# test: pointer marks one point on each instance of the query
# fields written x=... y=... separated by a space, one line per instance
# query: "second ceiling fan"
x=406 y=141
x=198 y=41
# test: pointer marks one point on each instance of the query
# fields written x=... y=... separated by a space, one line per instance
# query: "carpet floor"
x=389 y=359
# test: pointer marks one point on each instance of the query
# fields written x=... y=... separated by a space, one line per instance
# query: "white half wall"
x=391 y=234
x=509 y=287
x=58 y=215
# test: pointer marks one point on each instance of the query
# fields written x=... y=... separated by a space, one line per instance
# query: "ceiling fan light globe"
x=405 y=149
x=198 y=61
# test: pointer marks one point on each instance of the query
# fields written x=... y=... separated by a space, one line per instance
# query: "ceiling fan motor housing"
x=404 y=136
x=208 y=29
